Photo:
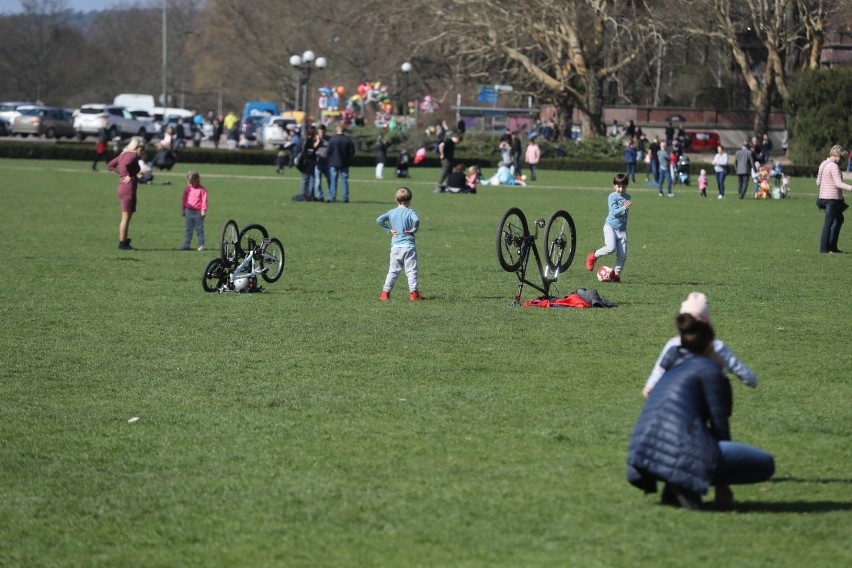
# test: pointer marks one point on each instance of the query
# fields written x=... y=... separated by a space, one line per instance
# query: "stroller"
x=402 y=164
x=683 y=169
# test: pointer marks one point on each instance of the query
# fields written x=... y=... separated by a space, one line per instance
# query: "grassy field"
x=312 y=425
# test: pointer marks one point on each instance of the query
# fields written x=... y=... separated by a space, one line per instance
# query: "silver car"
x=39 y=120
x=119 y=122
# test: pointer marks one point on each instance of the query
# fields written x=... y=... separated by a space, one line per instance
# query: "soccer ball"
x=605 y=274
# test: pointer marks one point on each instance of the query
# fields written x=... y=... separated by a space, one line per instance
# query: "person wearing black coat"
x=682 y=436
x=341 y=149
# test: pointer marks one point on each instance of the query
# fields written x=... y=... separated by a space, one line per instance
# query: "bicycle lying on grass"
x=243 y=256
x=515 y=243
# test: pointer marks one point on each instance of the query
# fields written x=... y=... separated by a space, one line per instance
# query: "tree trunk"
x=760 y=100
x=594 y=106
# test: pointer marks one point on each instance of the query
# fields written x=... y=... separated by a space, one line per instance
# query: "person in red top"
x=194 y=209
x=126 y=165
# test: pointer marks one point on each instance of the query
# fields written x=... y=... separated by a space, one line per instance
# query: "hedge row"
x=85 y=153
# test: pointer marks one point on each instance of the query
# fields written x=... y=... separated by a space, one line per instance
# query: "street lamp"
x=406 y=69
x=304 y=64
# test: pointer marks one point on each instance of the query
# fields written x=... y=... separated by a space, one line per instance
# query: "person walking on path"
x=743 y=165
x=101 y=148
x=447 y=153
x=720 y=168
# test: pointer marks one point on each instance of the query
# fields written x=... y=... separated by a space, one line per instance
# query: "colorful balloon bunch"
x=330 y=97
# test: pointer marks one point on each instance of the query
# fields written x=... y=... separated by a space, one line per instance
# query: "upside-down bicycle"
x=515 y=243
x=243 y=256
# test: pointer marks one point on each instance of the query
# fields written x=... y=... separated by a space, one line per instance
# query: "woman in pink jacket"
x=532 y=156
x=830 y=183
x=126 y=165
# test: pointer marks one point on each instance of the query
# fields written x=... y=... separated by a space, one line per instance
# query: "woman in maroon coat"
x=126 y=165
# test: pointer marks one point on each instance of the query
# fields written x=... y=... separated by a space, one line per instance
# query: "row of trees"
x=575 y=54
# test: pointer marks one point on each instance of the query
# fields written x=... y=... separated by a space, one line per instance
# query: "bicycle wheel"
x=228 y=242
x=215 y=275
x=560 y=241
x=511 y=233
x=272 y=258
x=251 y=232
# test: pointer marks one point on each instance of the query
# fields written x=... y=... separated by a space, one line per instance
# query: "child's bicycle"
x=243 y=256
x=514 y=244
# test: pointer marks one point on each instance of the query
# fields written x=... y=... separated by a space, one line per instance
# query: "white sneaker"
x=671 y=195
x=201 y=247
x=721 y=197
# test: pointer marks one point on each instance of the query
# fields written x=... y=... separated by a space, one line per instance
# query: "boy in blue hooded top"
x=615 y=228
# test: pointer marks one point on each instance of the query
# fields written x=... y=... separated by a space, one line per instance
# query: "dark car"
x=701 y=141
x=252 y=127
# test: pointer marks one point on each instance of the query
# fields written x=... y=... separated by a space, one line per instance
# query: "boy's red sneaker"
x=590 y=261
x=615 y=277
x=384 y=296
x=416 y=296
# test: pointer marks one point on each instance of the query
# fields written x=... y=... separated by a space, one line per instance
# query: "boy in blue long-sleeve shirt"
x=401 y=223
x=615 y=228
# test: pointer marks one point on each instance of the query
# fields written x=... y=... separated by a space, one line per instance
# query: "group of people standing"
x=320 y=156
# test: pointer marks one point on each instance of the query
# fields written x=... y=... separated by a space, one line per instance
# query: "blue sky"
x=14 y=6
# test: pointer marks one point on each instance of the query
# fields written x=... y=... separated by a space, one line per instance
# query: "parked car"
x=146 y=118
x=5 y=126
x=118 y=121
x=40 y=120
x=252 y=128
x=701 y=141
x=9 y=110
x=277 y=130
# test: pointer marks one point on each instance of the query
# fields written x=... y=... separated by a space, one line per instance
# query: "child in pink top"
x=702 y=183
x=194 y=209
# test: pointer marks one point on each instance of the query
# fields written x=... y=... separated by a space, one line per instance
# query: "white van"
x=133 y=101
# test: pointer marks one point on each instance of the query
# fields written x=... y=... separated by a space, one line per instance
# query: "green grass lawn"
x=312 y=425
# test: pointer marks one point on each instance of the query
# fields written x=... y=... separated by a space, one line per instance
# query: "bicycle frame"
x=529 y=245
x=249 y=261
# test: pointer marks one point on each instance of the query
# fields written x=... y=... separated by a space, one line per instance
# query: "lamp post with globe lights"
x=305 y=64
x=406 y=69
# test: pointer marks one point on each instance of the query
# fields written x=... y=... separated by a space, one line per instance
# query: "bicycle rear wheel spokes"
x=228 y=242
x=253 y=232
x=272 y=260
x=511 y=234
x=215 y=276
x=560 y=242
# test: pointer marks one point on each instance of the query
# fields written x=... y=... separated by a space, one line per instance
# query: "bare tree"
x=37 y=51
x=560 y=52
x=762 y=36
